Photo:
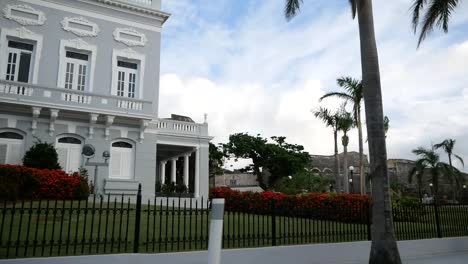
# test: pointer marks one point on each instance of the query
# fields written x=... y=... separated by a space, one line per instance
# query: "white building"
x=76 y=72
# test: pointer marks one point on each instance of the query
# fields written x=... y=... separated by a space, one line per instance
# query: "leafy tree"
x=278 y=157
x=302 y=182
x=429 y=160
x=353 y=94
x=331 y=120
x=42 y=155
x=345 y=123
x=215 y=162
x=384 y=248
x=437 y=14
x=448 y=145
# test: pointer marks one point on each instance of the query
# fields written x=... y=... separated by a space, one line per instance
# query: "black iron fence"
x=106 y=225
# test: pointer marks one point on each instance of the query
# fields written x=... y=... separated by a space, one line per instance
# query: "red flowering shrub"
x=24 y=182
x=327 y=206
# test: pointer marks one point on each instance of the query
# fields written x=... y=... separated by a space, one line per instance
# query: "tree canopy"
x=276 y=156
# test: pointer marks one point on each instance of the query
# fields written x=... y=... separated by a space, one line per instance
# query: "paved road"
x=454 y=258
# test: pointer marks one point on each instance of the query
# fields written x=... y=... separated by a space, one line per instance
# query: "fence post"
x=368 y=220
x=273 y=223
x=136 y=238
x=437 y=217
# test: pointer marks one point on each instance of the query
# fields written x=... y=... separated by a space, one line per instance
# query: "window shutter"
x=116 y=163
x=127 y=164
x=25 y=62
x=74 y=159
x=14 y=154
x=63 y=158
x=3 y=153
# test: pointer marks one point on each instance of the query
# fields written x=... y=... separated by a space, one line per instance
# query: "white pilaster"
x=92 y=121
x=35 y=114
x=163 y=172
x=197 y=173
x=186 y=169
x=53 y=117
x=109 y=122
x=173 y=170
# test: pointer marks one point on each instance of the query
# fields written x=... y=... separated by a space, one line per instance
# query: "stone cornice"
x=159 y=15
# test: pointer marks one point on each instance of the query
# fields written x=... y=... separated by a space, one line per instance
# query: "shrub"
x=338 y=207
x=168 y=188
x=41 y=155
x=407 y=209
x=26 y=183
x=181 y=188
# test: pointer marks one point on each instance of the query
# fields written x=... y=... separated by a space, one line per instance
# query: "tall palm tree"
x=331 y=120
x=418 y=171
x=384 y=248
x=448 y=145
x=430 y=160
x=353 y=94
x=345 y=123
x=437 y=14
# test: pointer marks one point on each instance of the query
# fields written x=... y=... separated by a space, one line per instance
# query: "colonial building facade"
x=76 y=72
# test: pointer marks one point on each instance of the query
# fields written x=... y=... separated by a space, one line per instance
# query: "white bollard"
x=216 y=231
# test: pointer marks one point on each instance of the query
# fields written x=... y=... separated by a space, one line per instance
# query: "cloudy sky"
x=252 y=71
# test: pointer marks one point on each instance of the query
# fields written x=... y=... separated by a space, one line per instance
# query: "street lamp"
x=351 y=170
x=464 y=193
x=88 y=152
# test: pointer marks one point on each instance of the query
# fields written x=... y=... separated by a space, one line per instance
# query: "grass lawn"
x=110 y=228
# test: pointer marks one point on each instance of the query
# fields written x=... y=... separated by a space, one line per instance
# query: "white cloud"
x=264 y=75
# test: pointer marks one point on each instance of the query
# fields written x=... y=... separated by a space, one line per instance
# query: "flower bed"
x=19 y=182
x=327 y=206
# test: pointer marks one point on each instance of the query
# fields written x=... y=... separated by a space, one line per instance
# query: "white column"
x=173 y=170
x=197 y=173
x=163 y=172
x=186 y=169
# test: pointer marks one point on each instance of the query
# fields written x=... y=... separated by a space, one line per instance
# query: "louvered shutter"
x=3 y=153
x=116 y=163
x=14 y=153
x=74 y=158
x=63 y=158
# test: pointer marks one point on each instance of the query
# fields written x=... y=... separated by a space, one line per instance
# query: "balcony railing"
x=72 y=98
x=179 y=127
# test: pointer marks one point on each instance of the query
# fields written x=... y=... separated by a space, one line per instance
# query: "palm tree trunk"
x=337 y=163
x=454 y=184
x=384 y=248
x=362 y=178
x=345 y=163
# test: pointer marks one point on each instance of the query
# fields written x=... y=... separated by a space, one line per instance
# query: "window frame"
x=128 y=55
x=21 y=35
x=78 y=46
x=68 y=146
x=10 y=141
x=123 y=149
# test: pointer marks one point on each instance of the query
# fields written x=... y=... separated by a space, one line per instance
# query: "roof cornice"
x=157 y=14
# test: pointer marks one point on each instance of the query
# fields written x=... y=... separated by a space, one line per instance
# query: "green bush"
x=41 y=156
x=16 y=183
x=168 y=188
x=181 y=188
x=407 y=209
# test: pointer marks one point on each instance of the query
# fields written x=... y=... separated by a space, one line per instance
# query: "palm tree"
x=331 y=120
x=418 y=171
x=345 y=123
x=430 y=160
x=386 y=123
x=448 y=145
x=353 y=94
x=437 y=14
x=384 y=248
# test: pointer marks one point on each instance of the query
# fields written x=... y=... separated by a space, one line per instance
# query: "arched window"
x=69 y=152
x=122 y=160
x=11 y=147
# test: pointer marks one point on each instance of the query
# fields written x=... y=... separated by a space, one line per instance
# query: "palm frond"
x=353 y=4
x=459 y=159
x=291 y=8
x=438 y=14
x=345 y=96
x=416 y=8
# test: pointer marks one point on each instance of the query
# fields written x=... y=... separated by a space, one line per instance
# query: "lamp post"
x=351 y=170
x=431 y=187
x=464 y=193
x=88 y=154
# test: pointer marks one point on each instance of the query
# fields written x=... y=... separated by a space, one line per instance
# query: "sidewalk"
x=453 y=258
